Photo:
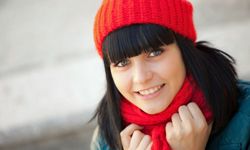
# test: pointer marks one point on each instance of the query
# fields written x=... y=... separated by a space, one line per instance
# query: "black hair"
x=212 y=69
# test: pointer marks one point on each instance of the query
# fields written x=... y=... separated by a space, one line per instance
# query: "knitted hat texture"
x=176 y=15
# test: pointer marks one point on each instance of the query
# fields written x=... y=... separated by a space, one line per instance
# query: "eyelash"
x=122 y=61
x=157 y=51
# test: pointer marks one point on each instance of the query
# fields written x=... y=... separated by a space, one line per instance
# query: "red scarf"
x=154 y=125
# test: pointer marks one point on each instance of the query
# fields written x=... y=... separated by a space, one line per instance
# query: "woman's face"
x=150 y=80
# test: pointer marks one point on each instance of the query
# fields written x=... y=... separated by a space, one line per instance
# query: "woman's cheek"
x=122 y=81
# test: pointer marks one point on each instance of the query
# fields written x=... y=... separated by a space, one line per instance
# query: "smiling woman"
x=150 y=79
x=164 y=89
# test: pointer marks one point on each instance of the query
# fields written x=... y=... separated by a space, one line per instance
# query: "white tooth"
x=146 y=92
x=156 y=89
x=143 y=92
x=150 y=91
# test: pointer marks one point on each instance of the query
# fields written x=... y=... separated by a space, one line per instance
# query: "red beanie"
x=176 y=15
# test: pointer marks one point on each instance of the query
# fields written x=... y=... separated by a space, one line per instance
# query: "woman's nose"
x=141 y=73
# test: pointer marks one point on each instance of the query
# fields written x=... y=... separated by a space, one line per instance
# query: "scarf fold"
x=154 y=125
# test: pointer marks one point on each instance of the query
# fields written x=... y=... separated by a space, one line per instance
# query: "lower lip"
x=150 y=96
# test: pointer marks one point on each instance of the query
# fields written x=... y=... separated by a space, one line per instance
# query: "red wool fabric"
x=154 y=125
x=176 y=15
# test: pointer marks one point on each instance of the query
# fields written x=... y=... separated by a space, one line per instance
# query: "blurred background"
x=51 y=78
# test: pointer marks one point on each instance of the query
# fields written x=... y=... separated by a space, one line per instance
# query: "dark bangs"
x=132 y=40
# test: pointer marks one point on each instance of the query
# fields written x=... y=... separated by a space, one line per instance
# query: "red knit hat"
x=176 y=15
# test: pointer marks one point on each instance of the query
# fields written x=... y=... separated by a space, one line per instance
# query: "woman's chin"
x=152 y=111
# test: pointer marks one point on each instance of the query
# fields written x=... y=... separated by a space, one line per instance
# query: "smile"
x=150 y=90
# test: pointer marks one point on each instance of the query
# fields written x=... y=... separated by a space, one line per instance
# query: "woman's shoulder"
x=244 y=87
x=98 y=142
x=244 y=97
x=236 y=135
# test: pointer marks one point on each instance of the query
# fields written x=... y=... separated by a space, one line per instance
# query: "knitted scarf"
x=154 y=125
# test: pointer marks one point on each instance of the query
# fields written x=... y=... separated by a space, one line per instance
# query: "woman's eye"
x=155 y=53
x=122 y=63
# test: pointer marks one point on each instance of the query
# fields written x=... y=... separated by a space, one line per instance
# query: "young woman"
x=164 y=89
